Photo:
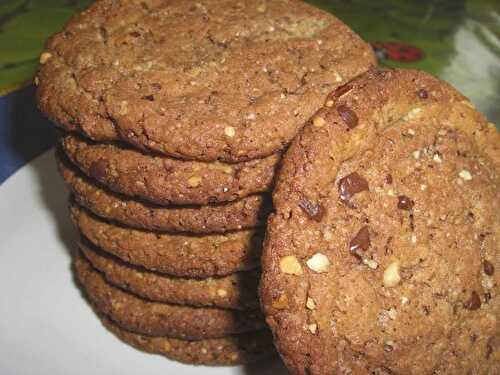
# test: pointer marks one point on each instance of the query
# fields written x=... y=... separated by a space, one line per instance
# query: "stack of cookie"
x=173 y=118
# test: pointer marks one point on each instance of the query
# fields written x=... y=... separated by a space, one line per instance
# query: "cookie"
x=173 y=254
x=236 y=83
x=235 y=291
x=167 y=181
x=231 y=350
x=248 y=212
x=382 y=256
x=160 y=319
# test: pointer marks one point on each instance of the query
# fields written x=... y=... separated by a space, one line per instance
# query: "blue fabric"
x=24 y=132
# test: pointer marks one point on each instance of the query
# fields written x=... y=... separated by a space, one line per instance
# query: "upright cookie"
x=160 y=319
x=231 y=350
x=248 y=212
x=382 y=256
x=173 y=254
x=166 y=181
x=236 y=83
x=235 y=291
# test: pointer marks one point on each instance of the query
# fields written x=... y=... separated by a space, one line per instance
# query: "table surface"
x=456 y=40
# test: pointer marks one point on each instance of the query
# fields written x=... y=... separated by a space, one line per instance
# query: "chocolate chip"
x=488 y=267
x=487 y=297
x=135 y=34
x=348 y=116
x=474 y=301
x=351 y=185
x=422 y=94
x=489 y=347
x=98 y=169
x=151 y=98
x=388 y=179
x=314 y=211
x=361 y=241
x=405 y=203
x=339 y=91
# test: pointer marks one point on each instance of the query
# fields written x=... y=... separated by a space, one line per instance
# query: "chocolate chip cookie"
x=235 y=291
x=382 y=256
x=174 y=254
x=167 y=181
x=160 y=319
x=236 y=83
x=231 y=350
x=248 y=212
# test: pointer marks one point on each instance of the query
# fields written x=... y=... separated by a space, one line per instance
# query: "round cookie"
x=248 y=212
x=231 y=350
x=236 y=83
x=235 y=291
x=173 y=254
x=160 y=319
x=382 y=256
x=167 y=181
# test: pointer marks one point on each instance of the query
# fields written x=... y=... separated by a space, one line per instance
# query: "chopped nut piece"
x=281 y=303
x=123 y=107
x=222 y=293
x=194 y=181
x=327 y=235
x=392 y=313
x=44 y=57
x=465 y=175
x=329 y=103
x=319 y=122
x=391 y=275
x=313 y=328
x=412 y=114
x=437 y=158
x=310 y=304
x=229 y=131
x=319 y=263
x=413 y=238
x=371 y=263
x=290 y=265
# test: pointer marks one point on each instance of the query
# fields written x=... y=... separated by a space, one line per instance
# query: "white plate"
x=46 y=327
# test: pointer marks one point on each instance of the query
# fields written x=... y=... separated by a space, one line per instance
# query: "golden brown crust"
x=160 y=319
x=382 y=256
x=236 y=83
x=174 y=254
x=249 y=212
x=167 y=181
x=235 y=291
x=226 y=351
